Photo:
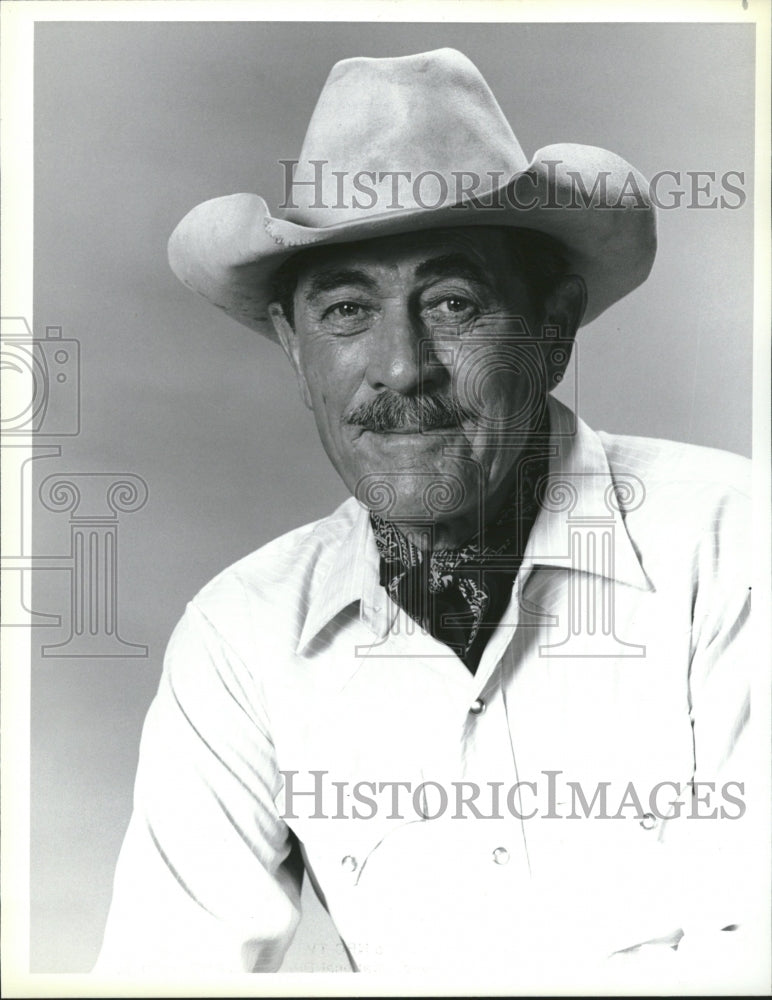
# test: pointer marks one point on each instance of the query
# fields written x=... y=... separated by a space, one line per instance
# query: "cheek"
x=334 y=377
x=331 y=378
x=504 y=390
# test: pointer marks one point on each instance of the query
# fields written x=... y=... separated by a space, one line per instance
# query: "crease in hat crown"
x=433 y=117
x=422 y=115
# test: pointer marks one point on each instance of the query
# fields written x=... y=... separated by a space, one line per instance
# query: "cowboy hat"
x=412 y=143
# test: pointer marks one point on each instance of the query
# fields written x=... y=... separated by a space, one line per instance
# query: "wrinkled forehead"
x=484 y=246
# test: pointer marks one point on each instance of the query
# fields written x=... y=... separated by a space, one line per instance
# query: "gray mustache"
x=391 y=411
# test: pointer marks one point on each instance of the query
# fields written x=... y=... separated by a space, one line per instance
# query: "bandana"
x=459 y=595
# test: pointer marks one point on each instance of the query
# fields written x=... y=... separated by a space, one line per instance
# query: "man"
x=493 y=705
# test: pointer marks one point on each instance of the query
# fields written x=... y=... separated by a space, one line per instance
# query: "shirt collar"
x=580 y=493
x=352 y=575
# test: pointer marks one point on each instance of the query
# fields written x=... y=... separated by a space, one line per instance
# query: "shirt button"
x=477 y=707
x=649 y=821
x=501 y=855
x=349 y=863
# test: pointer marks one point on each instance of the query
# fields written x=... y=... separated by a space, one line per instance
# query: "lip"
x=415 y=432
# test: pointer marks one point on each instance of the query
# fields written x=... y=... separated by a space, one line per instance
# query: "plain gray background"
x=137 y=123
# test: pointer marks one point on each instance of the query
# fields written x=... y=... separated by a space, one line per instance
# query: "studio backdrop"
x=172 y=441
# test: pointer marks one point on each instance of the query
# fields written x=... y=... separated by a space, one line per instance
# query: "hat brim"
x=229 y=249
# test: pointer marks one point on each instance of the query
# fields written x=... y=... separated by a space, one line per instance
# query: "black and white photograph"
x=385 y=441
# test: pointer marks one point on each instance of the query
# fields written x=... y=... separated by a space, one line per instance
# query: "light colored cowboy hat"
x=432 y=117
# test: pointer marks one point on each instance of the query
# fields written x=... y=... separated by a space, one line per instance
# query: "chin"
x=417 y=494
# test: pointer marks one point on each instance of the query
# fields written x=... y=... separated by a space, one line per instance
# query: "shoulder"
x=690 y=507
x=688 y=469
x=260 y=601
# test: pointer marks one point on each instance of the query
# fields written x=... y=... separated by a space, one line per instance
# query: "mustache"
x=391 y=411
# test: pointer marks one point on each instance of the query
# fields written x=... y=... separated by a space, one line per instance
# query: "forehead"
x=485 y=246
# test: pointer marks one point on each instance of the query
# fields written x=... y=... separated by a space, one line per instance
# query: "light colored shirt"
x=619 y=665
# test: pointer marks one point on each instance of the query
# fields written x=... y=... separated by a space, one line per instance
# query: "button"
x=649 y=821
x=501 y=855
x=477 y=707
x=349 y=863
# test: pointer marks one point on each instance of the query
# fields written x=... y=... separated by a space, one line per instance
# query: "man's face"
x=422 y=358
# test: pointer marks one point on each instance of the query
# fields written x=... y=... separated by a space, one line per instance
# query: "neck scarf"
x=459 y=595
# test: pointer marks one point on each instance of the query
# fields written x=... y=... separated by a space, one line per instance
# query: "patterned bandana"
x=459 y=595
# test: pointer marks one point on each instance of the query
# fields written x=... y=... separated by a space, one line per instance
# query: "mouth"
x=412 y=430
x=407 y=438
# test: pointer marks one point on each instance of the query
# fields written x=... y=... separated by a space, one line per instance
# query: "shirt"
x=304 y=721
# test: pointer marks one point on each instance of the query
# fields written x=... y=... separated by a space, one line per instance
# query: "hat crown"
x=431 y=113
x=400 y=133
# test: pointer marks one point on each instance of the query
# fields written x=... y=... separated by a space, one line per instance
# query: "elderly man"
x=494 y=704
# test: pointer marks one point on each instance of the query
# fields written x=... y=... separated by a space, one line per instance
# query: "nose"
x=395 y=360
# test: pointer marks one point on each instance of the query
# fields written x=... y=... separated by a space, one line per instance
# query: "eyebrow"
x=453 y=265
x=326 y=281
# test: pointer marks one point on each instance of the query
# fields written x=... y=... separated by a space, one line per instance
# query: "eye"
x=456 y=304
x=345 y=310
x=452 y=308
x=346 y=317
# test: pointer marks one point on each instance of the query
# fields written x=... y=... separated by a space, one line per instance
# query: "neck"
x=516 y=500
x=515 y=492
x=447 y=534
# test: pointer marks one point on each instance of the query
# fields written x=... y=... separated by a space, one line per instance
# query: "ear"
x=288 y=339
x=564 y=308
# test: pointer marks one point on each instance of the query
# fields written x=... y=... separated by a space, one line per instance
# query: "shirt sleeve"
x=208 y=878
x=717 y=840
x=720 y=832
